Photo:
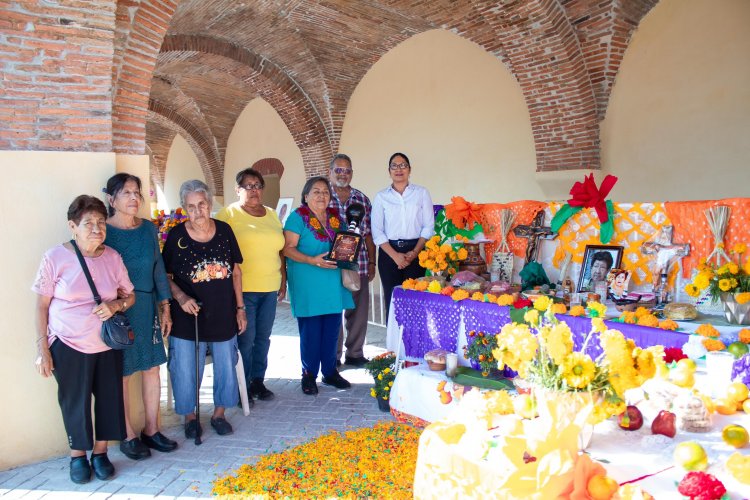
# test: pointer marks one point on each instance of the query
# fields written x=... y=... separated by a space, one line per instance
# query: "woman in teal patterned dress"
x=136 y=240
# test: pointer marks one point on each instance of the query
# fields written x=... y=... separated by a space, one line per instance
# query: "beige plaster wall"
x=455 y=110
x=182 y=165
x=38 y=187
x=678 y=123
x=261 y=133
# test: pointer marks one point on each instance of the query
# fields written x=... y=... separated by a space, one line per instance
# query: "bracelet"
x=241 y=308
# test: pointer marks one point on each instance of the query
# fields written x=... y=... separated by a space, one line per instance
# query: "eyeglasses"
x=399 y=166
x=342 y=170
x=252 y=187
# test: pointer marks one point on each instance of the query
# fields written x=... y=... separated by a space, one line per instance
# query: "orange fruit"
x=726 y=407
x=602 y=487
x=746 y=406
x=735 y=435
x=737 y=391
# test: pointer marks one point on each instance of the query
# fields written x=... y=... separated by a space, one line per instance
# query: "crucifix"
x=665 y=250
x=534 y=232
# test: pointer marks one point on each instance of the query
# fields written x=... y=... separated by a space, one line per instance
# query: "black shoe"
x=337 y=381
x=103 y=468
x=193 y=429
x=221 y=426
x=360 y=361
x=258 y=390
x=309 y=386
x=80 y=470
x=159 y=442
x=250 y=401
x=134 y=449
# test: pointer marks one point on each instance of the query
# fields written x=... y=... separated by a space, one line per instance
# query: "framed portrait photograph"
x=345 y=250
x=598 y=261
x=283 y=209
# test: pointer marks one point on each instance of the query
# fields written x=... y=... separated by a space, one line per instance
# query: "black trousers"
x=79 y=376
x=391 y=276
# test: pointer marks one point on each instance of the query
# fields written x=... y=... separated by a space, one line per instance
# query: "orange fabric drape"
x=525 y=211
x=691 y=226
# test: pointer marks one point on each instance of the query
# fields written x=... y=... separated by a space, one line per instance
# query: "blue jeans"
x=256 y=340
x=181 y=366
x=318 y=336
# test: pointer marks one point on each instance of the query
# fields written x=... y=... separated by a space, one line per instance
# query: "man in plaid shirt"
x=355 y=320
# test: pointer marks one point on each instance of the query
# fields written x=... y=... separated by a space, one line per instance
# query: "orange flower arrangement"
x=668 y=324
x=491 y=298
x=505 y=299
x=648 y=320
x=448 y=290
x=744 y=335
x=409 y=284
x=478 y=296
x=708 y=330
x=421 y=286
x=629 y=317
x=713 y=344
x=559 y=308
x=641 y=311
x=577 y=311
x=460 y=294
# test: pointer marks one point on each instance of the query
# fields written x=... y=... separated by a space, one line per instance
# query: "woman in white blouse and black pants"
x=402 y=221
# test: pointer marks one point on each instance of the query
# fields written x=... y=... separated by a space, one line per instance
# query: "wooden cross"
x=534 y=232
x=665 y=250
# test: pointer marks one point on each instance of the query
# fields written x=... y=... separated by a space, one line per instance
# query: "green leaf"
x=562 y=216
x=607 y=231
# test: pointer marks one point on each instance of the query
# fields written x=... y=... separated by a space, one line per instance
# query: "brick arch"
x=268 y=166
x=288 y=98
x=207 y=155
x=139 y=31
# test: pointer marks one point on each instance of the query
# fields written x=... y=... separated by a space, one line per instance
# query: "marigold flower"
x=713 y=345
x=577 y=311
x=505 y=299
x=559 y=308
x=692 y=290
x=702 y=281
x=420 y=286
x=542 y=303
x=648 y=320
x=642 y=311
x=668 y=324
x=742 y=298
x=744 y=335
x=733 y=268
x=408 y=284
x=491 y=298
x=708 y=330
x=460 y=294
x=448 y=290
x=462 y=253
x=479 y=296
x=739 y=248
x=628 y=317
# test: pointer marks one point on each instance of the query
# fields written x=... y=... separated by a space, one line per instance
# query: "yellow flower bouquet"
x=441 y=256
x=732 y=277
x=542 y=352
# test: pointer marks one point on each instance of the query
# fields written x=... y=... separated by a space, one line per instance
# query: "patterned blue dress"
x=139 y=248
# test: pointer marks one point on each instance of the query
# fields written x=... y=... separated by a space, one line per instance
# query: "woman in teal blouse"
x=315 y=289
x=136 y=240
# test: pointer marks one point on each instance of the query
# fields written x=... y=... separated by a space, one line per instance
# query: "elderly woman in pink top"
x=69 y=343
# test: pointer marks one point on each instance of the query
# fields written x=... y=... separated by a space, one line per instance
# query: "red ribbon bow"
x=586 y=194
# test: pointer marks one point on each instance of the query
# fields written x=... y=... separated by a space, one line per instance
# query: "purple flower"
x=741 y=369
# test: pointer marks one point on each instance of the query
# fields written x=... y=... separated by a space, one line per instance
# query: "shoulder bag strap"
x=97 y=297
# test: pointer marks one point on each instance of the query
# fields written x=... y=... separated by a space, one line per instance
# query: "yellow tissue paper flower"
x=542 y=303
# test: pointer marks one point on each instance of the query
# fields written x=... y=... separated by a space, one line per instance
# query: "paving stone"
x=290 y=419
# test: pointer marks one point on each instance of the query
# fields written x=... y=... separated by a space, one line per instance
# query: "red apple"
x=664 y=423
x=631 y=419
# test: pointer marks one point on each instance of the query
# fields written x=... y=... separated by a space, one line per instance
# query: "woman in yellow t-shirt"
x=261 y=239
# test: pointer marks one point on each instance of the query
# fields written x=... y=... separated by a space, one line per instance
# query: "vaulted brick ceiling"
x=306 y=57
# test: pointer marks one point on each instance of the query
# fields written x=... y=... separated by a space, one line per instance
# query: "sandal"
x=309 y=386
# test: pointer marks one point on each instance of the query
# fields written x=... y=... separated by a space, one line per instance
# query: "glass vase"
x=577 y=405
x=736 y=313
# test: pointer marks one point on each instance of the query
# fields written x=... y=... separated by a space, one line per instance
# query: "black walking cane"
x=197 y=384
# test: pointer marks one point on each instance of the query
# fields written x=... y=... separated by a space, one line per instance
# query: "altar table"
x=449 y=471
x=421 y=321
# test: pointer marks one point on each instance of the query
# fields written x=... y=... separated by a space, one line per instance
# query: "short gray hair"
x=340 y=156
x=194 y=186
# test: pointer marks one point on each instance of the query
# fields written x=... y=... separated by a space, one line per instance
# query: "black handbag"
x=116 y=331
